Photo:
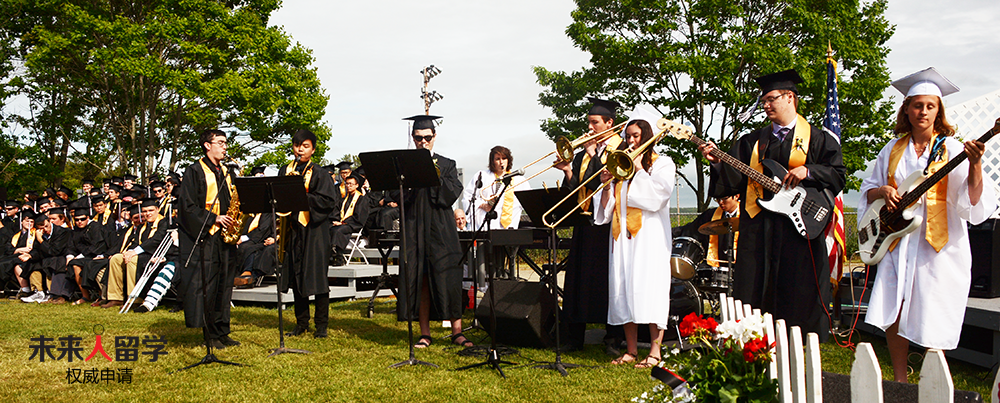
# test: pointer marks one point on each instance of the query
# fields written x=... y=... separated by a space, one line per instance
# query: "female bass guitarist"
x=923 y=280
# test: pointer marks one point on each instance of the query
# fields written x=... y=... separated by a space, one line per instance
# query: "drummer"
x=719 y=248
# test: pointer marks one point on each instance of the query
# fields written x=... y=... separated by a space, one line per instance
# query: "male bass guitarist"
x=778 y=269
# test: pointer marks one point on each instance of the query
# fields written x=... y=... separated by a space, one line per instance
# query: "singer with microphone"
x=484 y=191
x=204 y=197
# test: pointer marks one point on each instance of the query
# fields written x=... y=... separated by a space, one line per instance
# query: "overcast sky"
x=369 y=56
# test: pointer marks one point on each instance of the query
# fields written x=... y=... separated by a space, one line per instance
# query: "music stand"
x=385 y=171
x=258 y=195
x=536 y=203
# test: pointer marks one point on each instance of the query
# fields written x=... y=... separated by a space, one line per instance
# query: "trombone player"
x=308 y=239
x=204 y=196
x=585 y=290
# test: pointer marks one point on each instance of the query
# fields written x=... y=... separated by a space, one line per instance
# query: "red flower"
x=756 y=349
x=687 y=325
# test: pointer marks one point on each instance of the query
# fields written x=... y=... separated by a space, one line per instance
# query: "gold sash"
x=797 y=158
x=212 y=190
x=937 y=216
x=254 y=223
x=583 y=196
x=125 y=239
x=345 y=214
x=28 y=242
x=712 y=256
x=633 y=215
x=307 y=176
x=507 y=208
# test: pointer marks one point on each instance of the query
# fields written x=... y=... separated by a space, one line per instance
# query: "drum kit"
x=696 y=278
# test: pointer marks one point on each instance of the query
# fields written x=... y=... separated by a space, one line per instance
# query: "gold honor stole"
x=107 y=214
x=307 y=176
x=254 y=223
x=27 y=242
x=937 y=217
x=343 y=190
x=797 y=158
x=633 y=215
x=212 y=190
x=344 y=214
x=583 y=196
x=125 y=239
x=507 y=209
x=713 y=240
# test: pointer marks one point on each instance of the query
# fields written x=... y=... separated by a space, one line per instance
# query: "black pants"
x=322 y=317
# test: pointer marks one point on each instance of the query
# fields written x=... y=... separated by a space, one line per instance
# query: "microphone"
x=510 y=175
x=479 y=180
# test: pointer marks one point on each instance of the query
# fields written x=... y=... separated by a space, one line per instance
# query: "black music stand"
x=259 y=195
x=386 y=172
x=536 y=203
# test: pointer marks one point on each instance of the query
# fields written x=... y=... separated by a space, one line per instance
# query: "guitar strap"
x=937 y=216
x=796 y=158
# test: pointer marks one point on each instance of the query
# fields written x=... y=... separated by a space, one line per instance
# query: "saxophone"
x=231 y=234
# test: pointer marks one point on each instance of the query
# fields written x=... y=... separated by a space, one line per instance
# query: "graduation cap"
x=133 y=209
x=39 y=218
x=11 y=204
x=106 y=181
x=130 y=177
x=87 y=182
x=174 y=177
x=49 y=192
x=117 y=179
x=782 y=80
x=925 y=82
x=257 y=170
x=150 y=202
x=96 y=199
x=116 y=187
x=57 y=211
x=359 y=171
x=602 y=107
x=421 y=122
x=344 y=165
x=32 y=194
x=156 y=184
x=25 y=213
x=59 y=202
x=65 y=190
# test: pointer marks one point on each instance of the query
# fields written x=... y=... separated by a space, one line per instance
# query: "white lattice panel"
x=973 y=118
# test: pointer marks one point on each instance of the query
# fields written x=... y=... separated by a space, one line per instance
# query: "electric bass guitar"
x=808 y=208
x=879 y=227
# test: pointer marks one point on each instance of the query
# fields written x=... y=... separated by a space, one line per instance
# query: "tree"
x=128 y=85
x=694 y=61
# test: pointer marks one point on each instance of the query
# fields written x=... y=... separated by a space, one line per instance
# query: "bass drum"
x=684 y=299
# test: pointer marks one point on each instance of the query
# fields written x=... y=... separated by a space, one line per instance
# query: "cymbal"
x=720 y=226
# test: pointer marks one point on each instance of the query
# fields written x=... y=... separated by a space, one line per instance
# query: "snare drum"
x=687 y=254
x=713 y=279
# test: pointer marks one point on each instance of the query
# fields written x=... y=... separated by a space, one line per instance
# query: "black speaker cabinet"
x=525 y=313
x=985 y=244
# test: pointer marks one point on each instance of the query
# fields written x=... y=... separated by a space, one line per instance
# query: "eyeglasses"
x=418 y=138
x=770 y=100
x=219 y=143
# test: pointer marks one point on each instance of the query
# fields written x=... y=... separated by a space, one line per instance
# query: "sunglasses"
x=417 y=139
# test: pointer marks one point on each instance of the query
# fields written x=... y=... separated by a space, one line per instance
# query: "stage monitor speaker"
x=985 y=244
x=525 y=313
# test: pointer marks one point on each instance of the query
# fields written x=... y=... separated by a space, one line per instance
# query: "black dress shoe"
x=228 y=341
x=612 y=347
x=297 y=331
x=320 y=334
x=141 y=309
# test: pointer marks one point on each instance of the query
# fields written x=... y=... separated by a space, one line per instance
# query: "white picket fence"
x=797 y=367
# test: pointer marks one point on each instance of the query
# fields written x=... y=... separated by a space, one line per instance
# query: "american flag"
x=831 y=124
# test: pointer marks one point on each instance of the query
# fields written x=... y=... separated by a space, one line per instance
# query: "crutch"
x=154 y=263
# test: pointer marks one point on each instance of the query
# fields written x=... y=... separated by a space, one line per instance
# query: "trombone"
x=620 y=164
x=565 y=149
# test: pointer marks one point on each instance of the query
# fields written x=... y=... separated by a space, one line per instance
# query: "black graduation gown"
x=585 y=287
x=309 y=250
x=7 y=258
x=778 y=270
x=214 y=257
x=690 y=230
x=341 y=234
x=49 y=256
x=255 y=243
x=432 y=249
x=149 y=241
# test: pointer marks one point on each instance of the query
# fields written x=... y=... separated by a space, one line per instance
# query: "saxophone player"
x=204 y=197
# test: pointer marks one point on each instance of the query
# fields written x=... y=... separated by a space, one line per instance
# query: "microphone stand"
x=200 y=243
x=474 y=261
x=277 y=272
x=492 y=356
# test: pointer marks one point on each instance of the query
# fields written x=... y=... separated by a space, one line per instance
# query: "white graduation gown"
x=928 y=290
x=492 y=187
x=638 y=276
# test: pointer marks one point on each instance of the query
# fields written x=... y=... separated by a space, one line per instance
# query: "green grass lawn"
x=350 y=365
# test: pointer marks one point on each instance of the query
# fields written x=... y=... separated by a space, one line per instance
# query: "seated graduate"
x=47 y=258
x=255 y=249
x=18 y=244
x=718 y=248
x=353 y=215
x=123 y=267
x=86 y=242
x=94 y=273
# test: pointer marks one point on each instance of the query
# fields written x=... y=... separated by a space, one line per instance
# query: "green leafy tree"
x=128 y=85
x=694 y=61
